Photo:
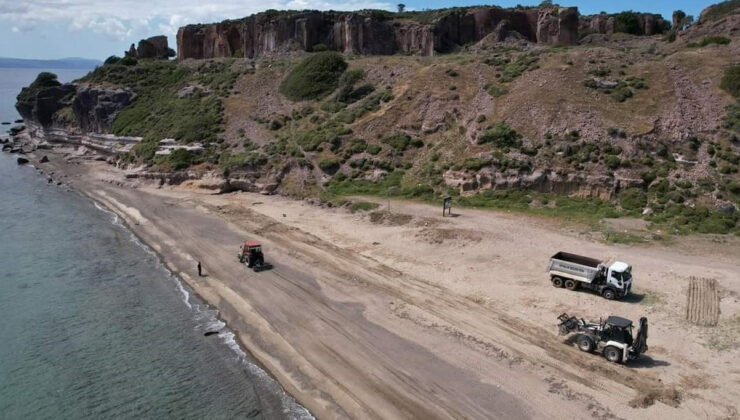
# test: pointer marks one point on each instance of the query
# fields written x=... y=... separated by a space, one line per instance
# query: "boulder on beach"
x=44 y=159
x=22 y=161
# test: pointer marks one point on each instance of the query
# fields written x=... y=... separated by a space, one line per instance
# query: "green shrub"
x=332 y=106
x=329 y=165
x=621 y=94
x=613 y=162
x=314 y=77
x=476 y=164
x=397 y=141
x=685 y=184
x=719 y=40
x=632 y=199
x=501 y=135
x=241 y=160
x=358 y=146
x=374 y=149
x=731 y=81
x=112 y=60
x=496 y=90
x=129 y=61
x=627 y=22
x=180 y=159
x=275 y=125
x=363 y=206
x=732 y=118
x=144 y=151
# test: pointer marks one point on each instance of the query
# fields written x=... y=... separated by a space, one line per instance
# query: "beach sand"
x=419 y=316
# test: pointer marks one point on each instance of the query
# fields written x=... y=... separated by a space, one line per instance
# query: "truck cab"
x=619 y=277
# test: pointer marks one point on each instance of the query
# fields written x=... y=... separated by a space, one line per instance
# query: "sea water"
x=92 y=325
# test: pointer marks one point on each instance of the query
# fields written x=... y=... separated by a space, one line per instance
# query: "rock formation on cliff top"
x=154 y=47
x=373 y=32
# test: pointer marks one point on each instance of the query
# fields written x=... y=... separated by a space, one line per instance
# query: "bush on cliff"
x=501 y=135
x=628 y=22
x=731 y=81
x=315 y=77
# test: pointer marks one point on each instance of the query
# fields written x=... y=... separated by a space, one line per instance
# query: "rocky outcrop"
x=579 y=185
x=558 y=26
x=647 y=23
x=45 y=103
x=95 y=108
x=79 y=107
x=154 y=47
x=371 y=33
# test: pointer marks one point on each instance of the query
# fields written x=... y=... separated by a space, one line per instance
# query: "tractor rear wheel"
x=613 y=354
x=586 y=344
x=557 y=282
x=571 y=284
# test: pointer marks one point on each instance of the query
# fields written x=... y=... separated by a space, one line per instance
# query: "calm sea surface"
x=94 y=326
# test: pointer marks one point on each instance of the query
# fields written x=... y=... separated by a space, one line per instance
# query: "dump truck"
x=610 y=280
x=612 y=336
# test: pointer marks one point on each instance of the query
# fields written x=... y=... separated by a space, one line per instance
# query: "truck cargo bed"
x=577 y=259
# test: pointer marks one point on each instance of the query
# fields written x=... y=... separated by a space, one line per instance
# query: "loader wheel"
x=571 y=284
x=613 y=354
x=557 y=282
x=586 y=344
x=609 y=294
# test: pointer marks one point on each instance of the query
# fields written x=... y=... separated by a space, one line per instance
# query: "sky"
x=48 y=29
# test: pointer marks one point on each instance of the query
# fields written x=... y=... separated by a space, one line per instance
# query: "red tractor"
x=250 y=254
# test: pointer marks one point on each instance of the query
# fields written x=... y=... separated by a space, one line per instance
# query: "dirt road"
x=417 y=317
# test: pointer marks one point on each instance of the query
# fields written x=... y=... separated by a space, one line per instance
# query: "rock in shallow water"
x=22 y=161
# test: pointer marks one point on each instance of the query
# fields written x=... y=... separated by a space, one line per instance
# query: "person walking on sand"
x=200 y=274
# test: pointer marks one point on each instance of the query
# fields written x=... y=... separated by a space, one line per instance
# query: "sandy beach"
x=411 y=315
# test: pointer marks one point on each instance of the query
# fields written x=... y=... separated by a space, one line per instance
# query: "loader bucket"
x=568 y=324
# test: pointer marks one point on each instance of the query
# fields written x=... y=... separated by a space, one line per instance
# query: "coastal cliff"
x=382 y=33
x=648 y=125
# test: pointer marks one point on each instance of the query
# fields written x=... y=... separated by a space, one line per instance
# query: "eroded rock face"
x=46 y=103
x=85 y=107
x=578 y=185
x=266 y=33
x=96 y=108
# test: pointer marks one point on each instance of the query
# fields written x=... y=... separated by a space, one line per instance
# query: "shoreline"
x=249 y=358
x=354 y=309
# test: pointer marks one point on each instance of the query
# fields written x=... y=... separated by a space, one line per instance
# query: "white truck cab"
x=619 y=275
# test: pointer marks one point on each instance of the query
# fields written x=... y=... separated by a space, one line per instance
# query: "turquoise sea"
x=94 y=326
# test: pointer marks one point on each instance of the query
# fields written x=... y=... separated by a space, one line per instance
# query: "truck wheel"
x=609 y=294
x=586 y=344
x=557 y=282
x=613 y=354
x=571 y=284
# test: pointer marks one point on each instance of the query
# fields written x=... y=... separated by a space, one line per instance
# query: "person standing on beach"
x=199 y=270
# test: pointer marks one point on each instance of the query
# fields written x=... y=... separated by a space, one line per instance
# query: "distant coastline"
x=62 y=63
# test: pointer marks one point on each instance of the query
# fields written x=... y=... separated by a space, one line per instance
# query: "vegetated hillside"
x=619 y=125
